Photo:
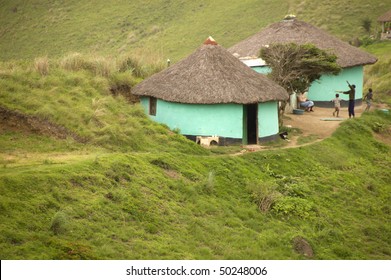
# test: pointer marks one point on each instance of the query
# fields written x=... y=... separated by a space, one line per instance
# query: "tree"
x=295 y=67
x=366 y=24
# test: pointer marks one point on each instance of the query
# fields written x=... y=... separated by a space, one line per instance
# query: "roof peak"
x=210 y=41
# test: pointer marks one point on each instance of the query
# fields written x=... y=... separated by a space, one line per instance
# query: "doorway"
x=250 y=124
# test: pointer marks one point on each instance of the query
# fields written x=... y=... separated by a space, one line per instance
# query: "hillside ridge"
x=171 y=28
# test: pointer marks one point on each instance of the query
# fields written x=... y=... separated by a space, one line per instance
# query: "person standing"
x=337 y=105
x=352 y=95
x=368 y=98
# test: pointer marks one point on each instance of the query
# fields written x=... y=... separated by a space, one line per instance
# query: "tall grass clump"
x=102 y=66
x=130 y=64
x=73 y=62
x=41 y=65
x=59 y=223
x=265 y=196
x=141 y=64
x=97 y=65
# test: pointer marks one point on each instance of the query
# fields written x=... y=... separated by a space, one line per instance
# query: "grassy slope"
x=138 y=191
x=183 y=206
x=378 y=76
x=35 y=28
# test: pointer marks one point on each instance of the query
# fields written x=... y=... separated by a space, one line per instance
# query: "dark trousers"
x=351 y=108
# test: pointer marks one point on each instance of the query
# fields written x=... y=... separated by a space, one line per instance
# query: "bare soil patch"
x=11 y=120
x=312 y=126
x=319 y=124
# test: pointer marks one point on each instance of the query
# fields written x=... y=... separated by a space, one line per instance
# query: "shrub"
x=59 y=223
x=290 y=187
x=265 y=196
x=294 y=206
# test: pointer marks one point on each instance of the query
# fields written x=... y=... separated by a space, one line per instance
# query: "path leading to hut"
x=319 y=124
x=312 y=125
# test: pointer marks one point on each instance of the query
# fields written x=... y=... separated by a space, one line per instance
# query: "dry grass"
x=41 y=65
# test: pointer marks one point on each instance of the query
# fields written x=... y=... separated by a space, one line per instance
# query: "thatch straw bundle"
x=210 y=75
x=299 y=32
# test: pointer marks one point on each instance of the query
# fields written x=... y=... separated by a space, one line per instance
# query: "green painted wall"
x=200 y=119
x=262 y=69
x=324 y=89
x=213 y=119
x=267 y=119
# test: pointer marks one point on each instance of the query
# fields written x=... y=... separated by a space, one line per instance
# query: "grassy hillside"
x=378 y=76
x=30 y=29
x=84 y=174
x=131 y=189
x=183 y=206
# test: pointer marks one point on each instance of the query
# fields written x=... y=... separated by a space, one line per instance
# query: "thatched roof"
x=210 y=75
x=385 y=18
x=299 y=32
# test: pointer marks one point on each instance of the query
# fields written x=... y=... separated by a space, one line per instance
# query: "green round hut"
x=211 y=94
x=291 y=30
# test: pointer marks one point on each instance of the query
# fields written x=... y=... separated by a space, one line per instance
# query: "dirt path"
x=311 y=125
x=319 y=124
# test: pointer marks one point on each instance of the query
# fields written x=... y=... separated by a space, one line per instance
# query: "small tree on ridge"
x=295 y=67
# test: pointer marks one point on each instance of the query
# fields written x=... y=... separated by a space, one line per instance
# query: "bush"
x=265 y=196
x=294 y=206
x=59 y=223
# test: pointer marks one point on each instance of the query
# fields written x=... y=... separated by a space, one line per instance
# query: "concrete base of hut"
x=226 y=141
x=329 y=104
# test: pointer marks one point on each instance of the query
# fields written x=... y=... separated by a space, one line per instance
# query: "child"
x=368 y=97
x=337 y=104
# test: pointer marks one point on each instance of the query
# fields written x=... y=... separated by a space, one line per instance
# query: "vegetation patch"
x=135 y=189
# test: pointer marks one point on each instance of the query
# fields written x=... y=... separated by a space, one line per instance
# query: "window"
x=152 y=106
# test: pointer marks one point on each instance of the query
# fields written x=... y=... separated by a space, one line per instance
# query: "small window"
x=152 y=106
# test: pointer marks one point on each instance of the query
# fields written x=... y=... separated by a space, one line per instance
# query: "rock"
x=301 y=246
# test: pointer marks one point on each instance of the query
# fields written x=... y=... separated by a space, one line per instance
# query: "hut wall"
x=224 y=120
x=267 y=119
x=262 y=69
x=323 y=90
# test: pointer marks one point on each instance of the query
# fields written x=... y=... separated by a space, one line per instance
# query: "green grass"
x=181 y=206
x=174 y=29
x=104 y=118
x=378 y=76
x=136 y=190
